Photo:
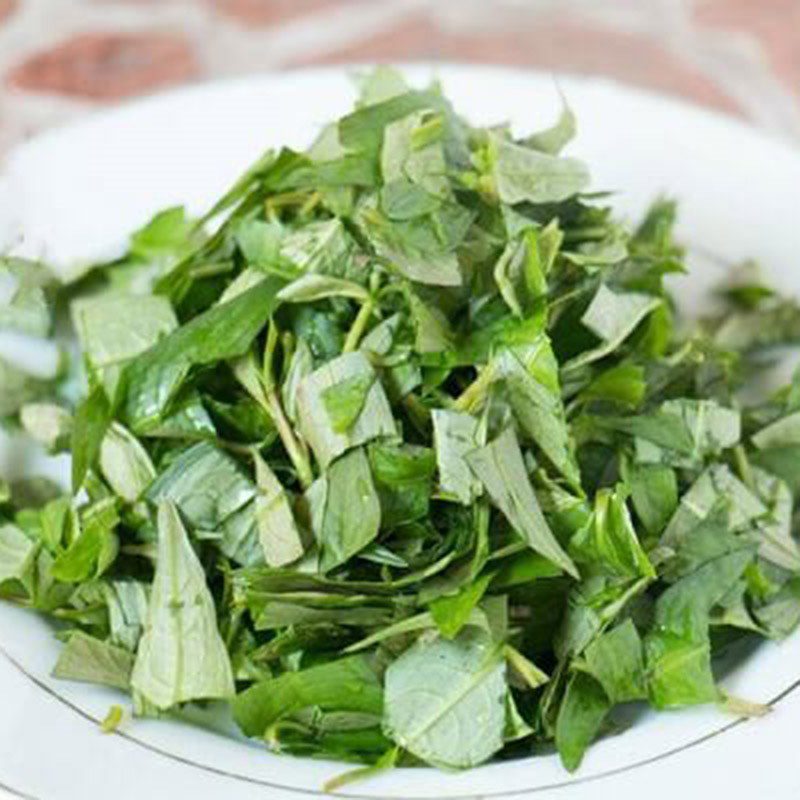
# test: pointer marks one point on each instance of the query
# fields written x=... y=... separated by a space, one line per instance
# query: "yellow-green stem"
x=357 y=328
x=295 y=449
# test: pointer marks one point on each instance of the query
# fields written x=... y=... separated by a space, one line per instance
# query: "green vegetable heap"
x=408 y=460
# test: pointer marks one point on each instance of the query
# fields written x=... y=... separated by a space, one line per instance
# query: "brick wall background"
x=59 y=58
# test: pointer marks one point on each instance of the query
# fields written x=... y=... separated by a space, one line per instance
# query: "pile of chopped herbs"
x=404 y=452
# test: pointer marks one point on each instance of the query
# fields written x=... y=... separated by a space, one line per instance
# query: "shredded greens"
x=404 y=452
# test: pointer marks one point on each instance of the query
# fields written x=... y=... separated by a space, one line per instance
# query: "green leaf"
x=612 y=316
x=452 y=612
x=781 y=615
x=215 y=497
x=523 y=667
x=181 y=655
x=348 y=684
x=716 y=482
x=278 y=532
x=523 y=174
x=223 y=332
x=344 y=401
x=624 y=384
x=520 y=272
x=94 y=549
x=85 y=658
x=17 y=552
x=580 y=718
x=608 y=542
x=678 y=650
x=681 y=432
x=422 y=249
x=125 y=464
x=438 y=686
x=529 y=376
x=345 y=509
x=372 y=415
x=616 y=661
x=324 y=247
x=92 y=418
x=454 y=435
x=654 y=494
x=501 y=469
x=260 y=244
x=403 y=476
x=168 y=236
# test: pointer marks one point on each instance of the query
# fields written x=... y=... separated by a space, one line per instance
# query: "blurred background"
x=62 y=58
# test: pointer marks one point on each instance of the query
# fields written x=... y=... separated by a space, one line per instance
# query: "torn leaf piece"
x=278 y=532
x=371 y=413
x=438 y=687
x=344 y=508
x=181 y=654
x=501 y=469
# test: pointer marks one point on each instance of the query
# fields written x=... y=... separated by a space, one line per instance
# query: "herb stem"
x=471 y=396
x=357 y=328
x=295 y=449
x=743 y=467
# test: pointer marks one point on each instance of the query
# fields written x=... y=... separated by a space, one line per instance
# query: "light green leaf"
x=215 y=497
x=374 y=420
x=346 y=512
x=440 y=686
x=778 y=544
x=348 y=684
x=781 y=433
x=125 y=464
x=126 y=601
x=278 y=533
x=454 y=435
x=553 y=140
x=85 y=658
x=716 y=482
x=501 y=469
x=580 y=718
x=608 y=542
x=616 y=661
x=17 y=552
x=48 y=424
x=114 y=328
x=181 y=655
x=612 y=316
x=26 y=289
x=524 y=174
x=313 y=287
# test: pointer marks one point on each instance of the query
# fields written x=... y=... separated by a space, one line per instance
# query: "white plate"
x=74 y=193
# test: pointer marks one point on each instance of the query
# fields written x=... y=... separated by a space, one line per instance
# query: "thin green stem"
x=357 y=328
x=295 y=449
x=470 y=398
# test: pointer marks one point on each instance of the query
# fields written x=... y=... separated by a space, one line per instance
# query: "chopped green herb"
x=409 y=460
